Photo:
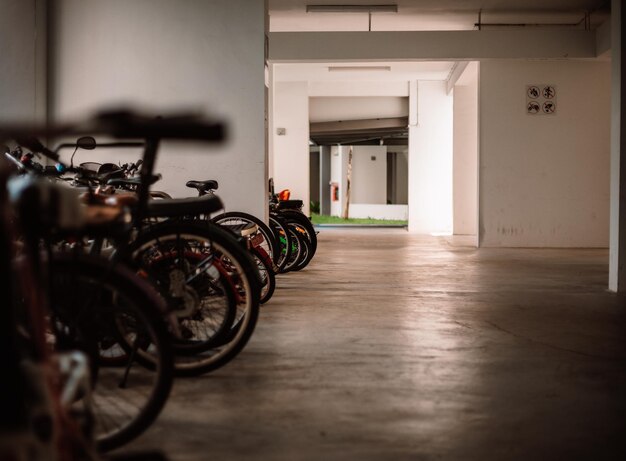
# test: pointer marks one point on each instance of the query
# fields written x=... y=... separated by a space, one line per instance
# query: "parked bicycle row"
x=146 y=287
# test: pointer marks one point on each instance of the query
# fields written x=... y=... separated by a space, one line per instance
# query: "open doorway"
x=357 y=138
x=390 y=128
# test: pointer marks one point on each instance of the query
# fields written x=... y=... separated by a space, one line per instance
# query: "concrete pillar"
x=270 y=121
x=617 y=256
x=465 y=153
x=23 y=70
x=291 y=140
x=338 y=174
x=430 y=158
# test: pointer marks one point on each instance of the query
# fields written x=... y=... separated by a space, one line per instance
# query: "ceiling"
x=412 y=15
x=447 y=5
x=291 y=15
x=359 y=120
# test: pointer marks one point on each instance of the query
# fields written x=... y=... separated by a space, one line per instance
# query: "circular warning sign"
x=549 y=107
x=533 y=92
x=548 y=92
x=533 y=107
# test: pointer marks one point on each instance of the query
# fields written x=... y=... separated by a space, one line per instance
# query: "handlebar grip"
x=36 y=146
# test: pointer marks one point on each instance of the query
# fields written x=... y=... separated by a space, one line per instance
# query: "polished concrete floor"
x=398 y=347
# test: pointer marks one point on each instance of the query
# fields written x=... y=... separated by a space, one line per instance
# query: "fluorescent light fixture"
x=359 y=68
x=352 y=8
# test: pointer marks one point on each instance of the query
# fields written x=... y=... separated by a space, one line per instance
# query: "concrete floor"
x=392 y=346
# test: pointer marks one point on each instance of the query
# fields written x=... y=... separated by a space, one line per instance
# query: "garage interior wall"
x=369 y=175
x=167 y=55
x=544 y=179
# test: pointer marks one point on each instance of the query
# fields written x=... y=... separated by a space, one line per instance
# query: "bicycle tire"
x=242 y=267
x=283 y=239
x=237 y=217
x=268 y=278
x=296 y=250
x=197 y=289
x=299 y=218
x=306 y=253
x=146 y=306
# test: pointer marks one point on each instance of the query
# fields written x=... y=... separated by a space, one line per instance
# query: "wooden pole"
x=346 y=208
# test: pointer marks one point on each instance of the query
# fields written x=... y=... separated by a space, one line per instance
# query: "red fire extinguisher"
x=334 y=191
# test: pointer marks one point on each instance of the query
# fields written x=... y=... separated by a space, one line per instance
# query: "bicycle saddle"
x=242 y=230
x=193 y=206
x=134 y=181
x=290 y=204
x=203 y=186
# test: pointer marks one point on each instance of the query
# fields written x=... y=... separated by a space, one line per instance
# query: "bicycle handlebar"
x=123 y=124
x=73 y=145
x=34 y=145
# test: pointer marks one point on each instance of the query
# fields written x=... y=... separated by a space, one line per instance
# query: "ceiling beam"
x=431 y=45
x=378 y=124
x=457 y=70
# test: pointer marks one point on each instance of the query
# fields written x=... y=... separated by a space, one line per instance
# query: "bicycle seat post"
x=145 y=174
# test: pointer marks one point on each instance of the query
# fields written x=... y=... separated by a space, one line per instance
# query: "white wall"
x=165 y=54
x=465 y=161
x=368 y=191
x=544 y=180
x=369 y=177
x=395 y=212
x=430 y=158
x=291 y=151
x=22 y=61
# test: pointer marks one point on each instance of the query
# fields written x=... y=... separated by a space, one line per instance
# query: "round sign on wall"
x=549 y=107
x=549 y=92
x=533 y=92
x=533 y=107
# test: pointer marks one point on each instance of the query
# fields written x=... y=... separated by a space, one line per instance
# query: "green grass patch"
x=322 y=219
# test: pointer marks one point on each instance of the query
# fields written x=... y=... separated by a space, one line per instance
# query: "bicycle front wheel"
x=108 y=304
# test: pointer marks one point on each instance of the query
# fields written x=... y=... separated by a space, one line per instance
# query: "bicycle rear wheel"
x=296 y=249
x=268 y=278
x=283 y=241
x=306 y=247
x=306 y=252
x=239 y=269
x=198 y=290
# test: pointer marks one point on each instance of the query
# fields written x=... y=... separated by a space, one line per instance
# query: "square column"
x=617 y=254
